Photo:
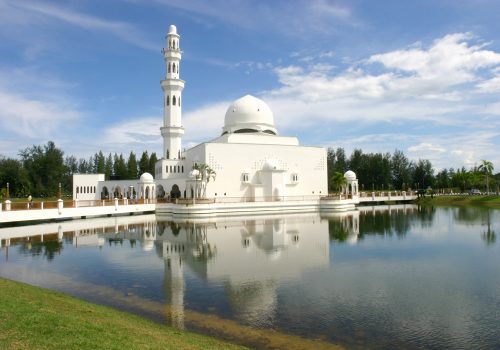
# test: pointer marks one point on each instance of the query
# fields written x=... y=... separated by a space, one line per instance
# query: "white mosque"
x=249 y=162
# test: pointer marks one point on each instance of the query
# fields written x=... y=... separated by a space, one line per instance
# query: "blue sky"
x=420 y=76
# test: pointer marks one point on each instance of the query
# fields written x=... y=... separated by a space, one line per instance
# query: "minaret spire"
x=172 y=87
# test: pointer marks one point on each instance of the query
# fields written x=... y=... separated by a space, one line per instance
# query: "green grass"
x=36 y=318
x=489 y=201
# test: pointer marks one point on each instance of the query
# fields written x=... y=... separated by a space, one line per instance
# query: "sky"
x=418 y=76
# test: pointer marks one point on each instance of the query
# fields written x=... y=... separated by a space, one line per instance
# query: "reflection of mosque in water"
x=250 y=256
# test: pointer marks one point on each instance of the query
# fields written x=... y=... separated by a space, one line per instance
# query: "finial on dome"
x=172 y=29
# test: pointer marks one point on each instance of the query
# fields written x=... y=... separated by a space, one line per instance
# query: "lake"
x=398 y=276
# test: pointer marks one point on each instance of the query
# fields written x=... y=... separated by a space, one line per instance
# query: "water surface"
x=378 y=277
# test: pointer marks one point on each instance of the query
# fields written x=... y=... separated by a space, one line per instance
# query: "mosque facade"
x=249 y=161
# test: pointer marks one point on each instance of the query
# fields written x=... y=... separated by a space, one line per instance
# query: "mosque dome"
x=146 y=177
x=249 y=114
x=350 y=175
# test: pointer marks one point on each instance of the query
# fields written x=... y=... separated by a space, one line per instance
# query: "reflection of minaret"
x=174 y=283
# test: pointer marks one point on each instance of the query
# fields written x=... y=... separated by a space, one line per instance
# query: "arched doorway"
x=175 y=192
x=105 y=193
x=117 y=193
x=160 y=191
x=146 y=195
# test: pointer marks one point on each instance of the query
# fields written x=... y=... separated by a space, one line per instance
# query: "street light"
x=7 y=194
x=60 y=194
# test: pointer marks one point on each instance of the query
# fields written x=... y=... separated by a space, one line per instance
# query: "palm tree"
x=338 y=180
x=205 y=174
x=487 y=168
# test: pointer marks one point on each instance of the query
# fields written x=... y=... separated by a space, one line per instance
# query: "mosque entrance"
x=175 y=192
x=117 y=193
x=105 y=193
x=160 y=191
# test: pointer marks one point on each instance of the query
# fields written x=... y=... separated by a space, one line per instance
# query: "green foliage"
x=132 y=166
x=144 y=163
x=152 y=163
x=13 y=173
x=45 y=168
x=338 y=180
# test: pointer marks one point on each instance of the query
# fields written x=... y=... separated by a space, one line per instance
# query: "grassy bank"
x=489 y=201
x=35 y=318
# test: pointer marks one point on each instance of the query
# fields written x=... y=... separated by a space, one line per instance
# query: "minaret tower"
x=172 y=87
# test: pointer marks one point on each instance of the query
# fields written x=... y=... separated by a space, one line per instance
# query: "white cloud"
x=301 y=19
x=426 y=147
x=490 y=86
x=28 y=12
x=32 y=118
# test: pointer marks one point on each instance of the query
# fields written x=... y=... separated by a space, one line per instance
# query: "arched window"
x=173 y=100
x=183 y=168
x=170 y=168
x=179 y=104
x=170 y=44
x=173 y=67
x=77 y=190
x=177 y=68
x=168 y=100
x=175 y=169
x=169 y=68
x=94 y=189
x=178 y=168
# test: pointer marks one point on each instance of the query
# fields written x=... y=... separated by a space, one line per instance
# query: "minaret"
x=172 y=87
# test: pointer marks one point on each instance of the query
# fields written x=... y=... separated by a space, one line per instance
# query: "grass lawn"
x=36 y=318
x=489 y=201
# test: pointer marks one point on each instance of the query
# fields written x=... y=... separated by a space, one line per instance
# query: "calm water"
x=404 y=277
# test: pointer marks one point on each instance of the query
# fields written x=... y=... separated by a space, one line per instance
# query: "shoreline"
x=34 y=317
x=490 y=201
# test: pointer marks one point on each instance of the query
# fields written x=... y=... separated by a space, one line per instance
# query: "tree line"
x=386 y=171
x=40 y=169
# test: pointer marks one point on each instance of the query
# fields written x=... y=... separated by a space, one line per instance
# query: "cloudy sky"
x=419 y=76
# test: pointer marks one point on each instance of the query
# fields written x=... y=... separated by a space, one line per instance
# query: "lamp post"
x=7 y=194
x=60 y=193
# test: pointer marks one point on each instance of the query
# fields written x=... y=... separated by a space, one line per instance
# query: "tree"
x=487 y=168
x=144 y=163
x=120 y=170
x=100 y=163
x=13 y=173
x=45 y=168
x=338 y=180
x=400 y=170
x=132 y=166
x=108 y=167
x=205 y=174
x=423 y=174
x=152 y=163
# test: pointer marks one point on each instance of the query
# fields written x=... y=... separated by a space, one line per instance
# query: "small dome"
x=249 y=114
x=172 y=29
x=146 y=177
x=350 y=175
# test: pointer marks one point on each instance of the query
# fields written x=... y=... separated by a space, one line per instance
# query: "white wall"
x=85 y=186
x=229 y=161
